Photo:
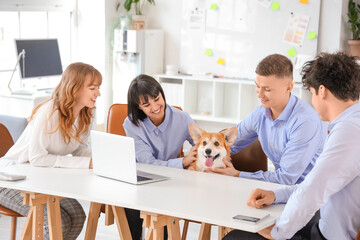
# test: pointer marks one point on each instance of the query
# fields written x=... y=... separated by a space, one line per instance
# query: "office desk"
x=198 y=196
x=20 y=105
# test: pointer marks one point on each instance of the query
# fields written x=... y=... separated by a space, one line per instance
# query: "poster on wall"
x=296 y=29
x=197 y=22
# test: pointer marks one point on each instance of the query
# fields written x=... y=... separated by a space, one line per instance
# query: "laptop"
x=113 y=157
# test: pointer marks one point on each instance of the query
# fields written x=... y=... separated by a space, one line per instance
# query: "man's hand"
x=259 y=198
x=91 y=164
x=190 y=158
x=228 y=170
x=266 y=232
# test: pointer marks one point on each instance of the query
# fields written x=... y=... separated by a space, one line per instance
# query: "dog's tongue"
x=209 y=161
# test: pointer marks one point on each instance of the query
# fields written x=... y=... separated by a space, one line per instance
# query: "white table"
x=198 y=196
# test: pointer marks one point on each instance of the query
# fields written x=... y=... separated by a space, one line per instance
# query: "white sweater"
x=40 y=147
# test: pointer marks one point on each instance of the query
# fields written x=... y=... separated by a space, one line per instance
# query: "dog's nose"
x=208 y=151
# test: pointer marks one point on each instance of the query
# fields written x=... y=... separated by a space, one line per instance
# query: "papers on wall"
x=265 y=3
x=296 y=29
x=302 y=59
x=197 y=22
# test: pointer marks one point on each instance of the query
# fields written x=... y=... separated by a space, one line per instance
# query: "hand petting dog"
x=227 y=170
x=190 y=158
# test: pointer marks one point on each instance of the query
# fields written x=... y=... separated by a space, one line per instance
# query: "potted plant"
x=138 y=20
x=353 y=15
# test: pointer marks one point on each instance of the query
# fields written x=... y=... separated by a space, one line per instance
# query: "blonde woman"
x=57 y=128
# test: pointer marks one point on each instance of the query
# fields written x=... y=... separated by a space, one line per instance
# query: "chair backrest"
x=15 y=125
x=116 y=117
x=6 y=140
x=250 y=159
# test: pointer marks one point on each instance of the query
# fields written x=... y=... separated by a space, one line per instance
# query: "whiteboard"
x=241 y=33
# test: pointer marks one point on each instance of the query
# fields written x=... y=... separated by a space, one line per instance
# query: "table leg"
x=156 y=223
x=54 y=217
x=34 y=224
x=109 y=215
x=38 y=221
x=173 y=228
x=205 y=231
x=93 y=219
x=27 y=231
x=121 y=223
x=185 y=229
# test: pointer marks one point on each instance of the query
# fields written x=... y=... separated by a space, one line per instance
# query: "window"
x=32 y=25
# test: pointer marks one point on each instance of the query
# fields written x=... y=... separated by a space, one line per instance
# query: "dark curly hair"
x=145 y=86
x=338 y=72
x=275 y=64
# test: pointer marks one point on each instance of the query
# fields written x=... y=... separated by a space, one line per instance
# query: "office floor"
x=103 y=232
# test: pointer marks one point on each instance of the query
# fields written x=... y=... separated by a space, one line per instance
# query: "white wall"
x=333 y=33
x=166 y=14
x=94 y=27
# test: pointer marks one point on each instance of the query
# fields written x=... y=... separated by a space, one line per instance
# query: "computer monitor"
x=41 y=57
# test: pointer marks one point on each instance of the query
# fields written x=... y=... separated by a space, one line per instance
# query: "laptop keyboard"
x=141 y=178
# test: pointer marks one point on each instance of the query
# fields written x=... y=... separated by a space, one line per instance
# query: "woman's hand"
x=190 y=158
x=91 y=164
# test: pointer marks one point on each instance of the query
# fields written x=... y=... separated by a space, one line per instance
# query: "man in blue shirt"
x=334 y=183
x=290 y=132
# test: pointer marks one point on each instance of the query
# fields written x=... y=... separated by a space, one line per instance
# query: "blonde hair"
x=64 y=97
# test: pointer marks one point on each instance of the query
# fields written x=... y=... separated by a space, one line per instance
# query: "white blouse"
x=43 y=147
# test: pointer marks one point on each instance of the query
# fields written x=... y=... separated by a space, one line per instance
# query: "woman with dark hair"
x=159 y=130
x=58 y=127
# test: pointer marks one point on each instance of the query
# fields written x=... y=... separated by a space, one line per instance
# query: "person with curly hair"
x=58 y=127
x=333 y=185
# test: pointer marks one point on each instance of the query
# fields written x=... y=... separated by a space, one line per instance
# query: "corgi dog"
x=211 y=147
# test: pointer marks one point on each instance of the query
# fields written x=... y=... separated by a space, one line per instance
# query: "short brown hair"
x=275 y=64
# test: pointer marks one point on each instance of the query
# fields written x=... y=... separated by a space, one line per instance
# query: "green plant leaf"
x=353 y=15
x=127 y=5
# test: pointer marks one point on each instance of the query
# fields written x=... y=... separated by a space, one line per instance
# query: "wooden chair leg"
x=13 y=228
x=185 y=229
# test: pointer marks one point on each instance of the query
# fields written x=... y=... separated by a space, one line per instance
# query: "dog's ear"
x=195 y=132
x=230 y=134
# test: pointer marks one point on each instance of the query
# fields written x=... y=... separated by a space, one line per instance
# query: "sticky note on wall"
x=291 y=52
x=208 y=52
x=311 y=35
x=213 y=6
x=304 y=1
x=221 y=61
x=275 y=6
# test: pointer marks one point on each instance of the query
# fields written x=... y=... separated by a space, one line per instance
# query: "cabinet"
x=20 y=105
x=216 y=100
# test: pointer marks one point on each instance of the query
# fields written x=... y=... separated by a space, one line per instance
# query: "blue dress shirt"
x=333 y=186
x=161 y=145
x=292 y=142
